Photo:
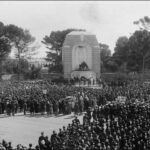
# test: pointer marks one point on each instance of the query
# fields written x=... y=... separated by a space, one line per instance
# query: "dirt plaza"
x=23 y=130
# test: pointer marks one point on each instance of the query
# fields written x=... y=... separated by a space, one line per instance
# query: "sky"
x=108 y=20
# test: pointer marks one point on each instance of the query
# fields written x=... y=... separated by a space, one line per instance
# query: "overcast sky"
x=107 y=19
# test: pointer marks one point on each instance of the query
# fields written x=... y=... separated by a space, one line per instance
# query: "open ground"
x=23 y=130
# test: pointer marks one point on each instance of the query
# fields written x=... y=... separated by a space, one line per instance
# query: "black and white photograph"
x=74 y=75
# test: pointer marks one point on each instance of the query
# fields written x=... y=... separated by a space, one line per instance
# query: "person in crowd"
x=30 y=147
x=48 y=107
x=32 y=108
x=51 y=108
x=41 y=141
x=24 y=107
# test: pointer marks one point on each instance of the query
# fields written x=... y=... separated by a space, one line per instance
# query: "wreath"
x=83 y=66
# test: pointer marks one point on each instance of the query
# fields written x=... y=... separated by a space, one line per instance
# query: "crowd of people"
x=107 y=124
x=110 y=127
x=44 y=98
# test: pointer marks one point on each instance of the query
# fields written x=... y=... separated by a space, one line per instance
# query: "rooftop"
x=80 y=33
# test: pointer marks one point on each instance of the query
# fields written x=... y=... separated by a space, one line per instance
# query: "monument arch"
x=81 y=53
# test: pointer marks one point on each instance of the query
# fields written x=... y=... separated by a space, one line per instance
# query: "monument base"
x=84 y=78
x=85 y=74
x=96 y=86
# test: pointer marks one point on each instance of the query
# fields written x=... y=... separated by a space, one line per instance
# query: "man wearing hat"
x=41 y=140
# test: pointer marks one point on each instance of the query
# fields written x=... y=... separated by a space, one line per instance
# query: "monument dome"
x=81 y=48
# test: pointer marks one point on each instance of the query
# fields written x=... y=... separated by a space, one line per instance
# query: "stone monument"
x=81 y=55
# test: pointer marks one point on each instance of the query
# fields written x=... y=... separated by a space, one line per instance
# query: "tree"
x=121 y=52
x=105 y=54
x=139 y=44
x=111 y=65
x=54 y=43
x=133 y=53
x=5 y=46
x=21 y=40
x=143 y=23
x=1 y=29
x=31 y=51
x=105 y=51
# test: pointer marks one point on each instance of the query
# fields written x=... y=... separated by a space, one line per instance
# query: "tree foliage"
x=139 y=44
x=20 y=39
x=121 y=50
x=143 y=23
x=105 y=51
x=105 y=54
x=5 y=46
x=111 y=65
x=133 y=54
